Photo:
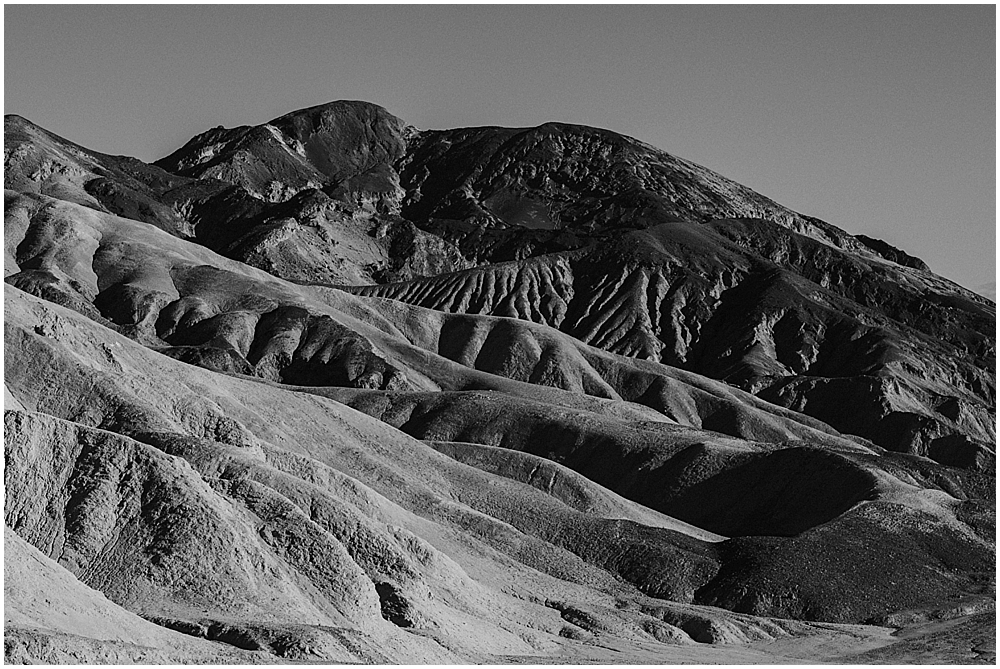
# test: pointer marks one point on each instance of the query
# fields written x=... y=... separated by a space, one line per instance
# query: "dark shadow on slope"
x=779 y=493
x=874 y=560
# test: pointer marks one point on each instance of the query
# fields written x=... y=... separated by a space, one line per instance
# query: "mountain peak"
x=339 y=108
x=16 y=119
x=320 y=147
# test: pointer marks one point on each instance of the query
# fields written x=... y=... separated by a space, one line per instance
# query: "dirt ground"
x=964 y=640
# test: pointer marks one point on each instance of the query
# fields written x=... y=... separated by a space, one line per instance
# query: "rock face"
x=335 y=389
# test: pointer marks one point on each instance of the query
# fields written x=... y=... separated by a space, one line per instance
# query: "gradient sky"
x=881 y=120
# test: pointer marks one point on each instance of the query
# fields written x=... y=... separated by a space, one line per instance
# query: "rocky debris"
x=313 y=238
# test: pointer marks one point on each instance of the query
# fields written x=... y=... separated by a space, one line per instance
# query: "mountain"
x=336 y=389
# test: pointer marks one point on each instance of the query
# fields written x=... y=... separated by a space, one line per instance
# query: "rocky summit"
x=336 y=389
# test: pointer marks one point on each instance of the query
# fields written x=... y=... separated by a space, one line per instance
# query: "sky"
x=878 y=119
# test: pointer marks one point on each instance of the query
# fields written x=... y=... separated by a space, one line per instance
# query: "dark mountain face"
x=559 y=176
x=414 y=378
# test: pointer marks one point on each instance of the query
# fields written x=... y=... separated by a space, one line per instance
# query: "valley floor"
x=967 y=639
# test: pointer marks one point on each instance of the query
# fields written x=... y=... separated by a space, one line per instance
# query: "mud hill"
x=336 y=389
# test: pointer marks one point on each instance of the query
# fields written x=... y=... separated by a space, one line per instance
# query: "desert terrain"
x=334 y=389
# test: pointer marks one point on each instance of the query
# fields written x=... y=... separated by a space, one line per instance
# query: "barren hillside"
x=336 y=389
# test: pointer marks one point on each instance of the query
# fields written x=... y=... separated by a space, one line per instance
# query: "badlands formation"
x=334 y=389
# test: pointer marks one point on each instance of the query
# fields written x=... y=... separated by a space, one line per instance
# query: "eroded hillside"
x=335 y=389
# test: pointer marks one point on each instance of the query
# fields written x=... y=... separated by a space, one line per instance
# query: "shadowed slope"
x=890 y=353
x=726 y=485
x=903 y=567
x=562 y=176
